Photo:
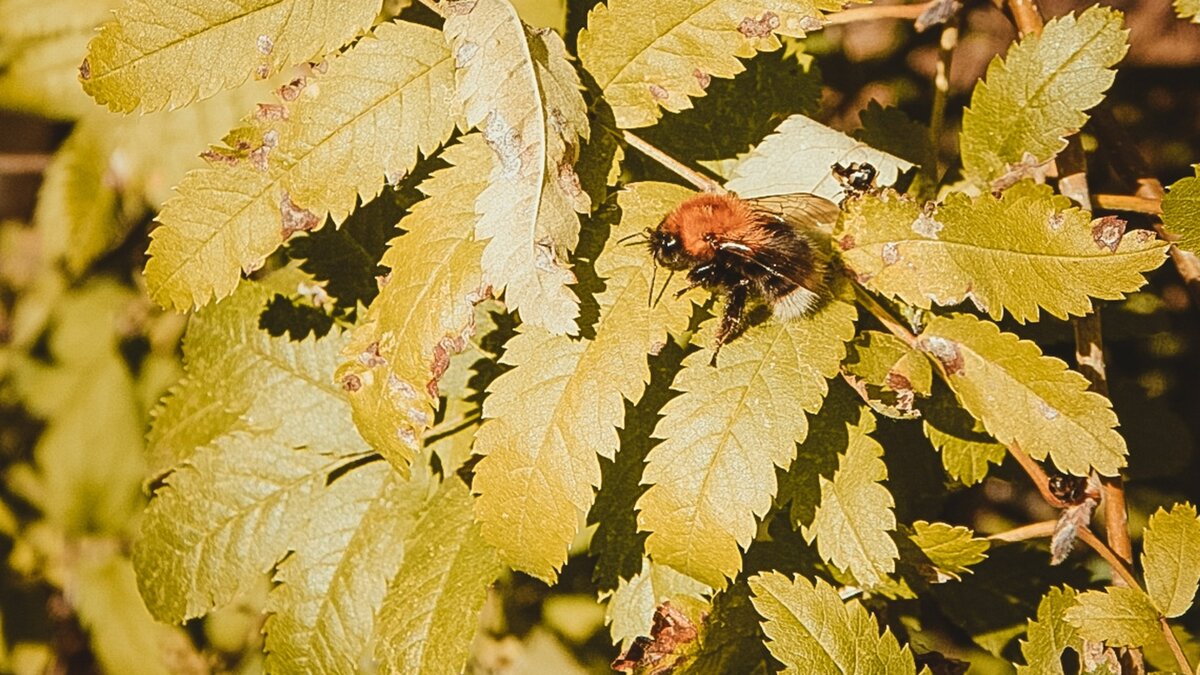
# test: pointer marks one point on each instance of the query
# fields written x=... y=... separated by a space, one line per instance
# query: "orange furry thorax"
x=704 y=220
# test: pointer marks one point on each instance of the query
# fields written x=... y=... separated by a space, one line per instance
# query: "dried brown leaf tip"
x=760 y=27
x=658 y=654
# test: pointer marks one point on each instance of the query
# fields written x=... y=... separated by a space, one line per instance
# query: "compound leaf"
x=1050 y=635
x=154 y=55
x=546 y=419
x=713 y=474
x=331 y=140
x=855 y=514
x=811 y=630
x=431 y=610
x=1025 y=398
x=1026 y=251
x=523 y=94
x=798 y=158
x=424 y=311
x=1181 y=210
x=647 y=56
x=1036 y=96
x=1117 y=616
x=1171 y=558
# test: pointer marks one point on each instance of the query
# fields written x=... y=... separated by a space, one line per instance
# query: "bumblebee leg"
x=732 y=319
x=699 y=276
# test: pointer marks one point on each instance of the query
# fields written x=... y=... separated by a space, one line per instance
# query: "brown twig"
x=905 y=12
x=19 y=164
x=941 y=93
x=1152 y=207
x=1031 y=531
x=692 y=176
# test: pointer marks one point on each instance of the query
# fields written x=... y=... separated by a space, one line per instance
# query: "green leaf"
x=1188 y=9
x=1119 y=617
x=646 y=55
x=889 y=372
x=892 y=131
x=1171 y=558
x=713 y=476
x=1036 y=96
x=722 y=126
x=546 y=420
x=520 y=90
x=424 y=311
x=1056 y=257
x=292 y=163
x=966 y=448
x=1050 y=635
x=328 y=590
x=799 y=156
x=855 y=515
x=123 y=635
x=812 y=631
x=156 y=55
x=1025 y=398
x=951 y=549
x=431 y=610
x=817 y=457
x=1181 y=210
x=254 y=458
x=39 y=66
x=630 y=610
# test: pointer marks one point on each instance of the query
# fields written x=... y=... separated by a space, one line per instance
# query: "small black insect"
x=856 y=179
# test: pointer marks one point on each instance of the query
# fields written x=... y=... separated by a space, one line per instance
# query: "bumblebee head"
x=667 y=249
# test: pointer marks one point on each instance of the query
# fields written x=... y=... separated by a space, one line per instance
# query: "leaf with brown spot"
x=399 y=350
x=646 y=55
x=1025 y=398
x=157 y=54
x=521 y=92
x=284 y=173
x=1026 y=251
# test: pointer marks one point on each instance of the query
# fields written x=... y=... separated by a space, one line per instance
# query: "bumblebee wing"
x=801 y=210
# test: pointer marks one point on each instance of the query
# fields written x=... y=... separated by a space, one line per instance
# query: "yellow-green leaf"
x=1050 y=635
x=230 y=508
x=652 y=55
x=1027 y=251
x=424 y=311
x=810 y=630
x=546 y=419
x=855 y=515
x=630 y=609
x=951 y=549
x=154 y=55
x=714 y=473
x=1181 y=210
x=799 y=157
x=889 y=372
x=1171 y=558
x=328 y=590
x=331 y=140
x=1025 y=398
x=523 y=94
x=1036 y=96
x=1117 y=616
x=1188 y=9
x=966 y=448
x=431 y=610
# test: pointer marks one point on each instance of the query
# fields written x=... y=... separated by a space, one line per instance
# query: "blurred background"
x=84 y=355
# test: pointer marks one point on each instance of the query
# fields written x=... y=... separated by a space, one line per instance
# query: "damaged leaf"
x=1050 y=635
x=424 y=311
x=1025 y=398
x=1024 y=252
x=311 y=154
x=520 y=91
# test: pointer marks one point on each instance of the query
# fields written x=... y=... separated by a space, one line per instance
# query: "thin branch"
x=1032 y=531
x=1177 y=650
x=692 y=176
x=1026 y=15
x=904 y=12
x=1152 y=207
x=885 y=317
x=941 y=92
x=23 y=164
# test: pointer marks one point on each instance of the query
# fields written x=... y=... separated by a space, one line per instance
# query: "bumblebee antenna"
x=644 y=234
